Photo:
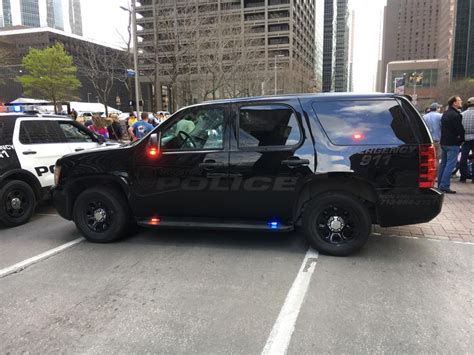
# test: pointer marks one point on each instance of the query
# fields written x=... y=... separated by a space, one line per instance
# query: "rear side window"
x=6 y=132
x=416 y=122
x=40 y=132
x=364 y=122
x=268 y=125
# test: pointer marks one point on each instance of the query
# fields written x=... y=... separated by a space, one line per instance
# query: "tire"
x=336 y=223
x=101 y=215
x=17 y=203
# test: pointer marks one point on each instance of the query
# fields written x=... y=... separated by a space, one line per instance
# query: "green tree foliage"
x=51 y=74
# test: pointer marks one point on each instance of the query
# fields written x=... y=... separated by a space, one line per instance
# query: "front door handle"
x=78 y=149
x=293 y=162
x=212 y=164
x=29 y=152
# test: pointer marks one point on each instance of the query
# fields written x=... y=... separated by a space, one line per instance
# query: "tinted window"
x=416 y=122
x=364 y=122
x=195 y=129
x=39 y=132
x=272 y=125
x=6 y=131
x=73 y=133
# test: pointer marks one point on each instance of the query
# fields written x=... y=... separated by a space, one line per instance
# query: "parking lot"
x=223 y=292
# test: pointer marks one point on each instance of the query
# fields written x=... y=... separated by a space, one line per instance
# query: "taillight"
x=427 y=166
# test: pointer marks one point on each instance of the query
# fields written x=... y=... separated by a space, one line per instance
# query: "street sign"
x=130 y=73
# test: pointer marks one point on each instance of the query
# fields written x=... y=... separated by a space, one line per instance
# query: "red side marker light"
x=357 y=136
x=153 y=152
x=155 y=221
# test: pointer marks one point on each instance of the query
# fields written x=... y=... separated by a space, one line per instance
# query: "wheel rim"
x=336 y=225
x=16 y=203
x=98 y=216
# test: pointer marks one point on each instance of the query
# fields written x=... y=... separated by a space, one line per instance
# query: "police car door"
x=39 y=143
x=78 y=137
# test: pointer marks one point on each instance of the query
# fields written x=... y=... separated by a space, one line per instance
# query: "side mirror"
x=154 y=145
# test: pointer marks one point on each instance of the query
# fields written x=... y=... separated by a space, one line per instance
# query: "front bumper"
x=61 y=202
x=410 y=206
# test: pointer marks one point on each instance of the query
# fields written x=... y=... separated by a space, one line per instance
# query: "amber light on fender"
x=155 y=221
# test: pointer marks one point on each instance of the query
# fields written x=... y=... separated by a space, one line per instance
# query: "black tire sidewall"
x=29 y=194
x=318 y=204
x=114 y=201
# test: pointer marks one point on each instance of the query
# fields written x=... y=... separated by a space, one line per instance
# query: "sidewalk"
x=455 y=222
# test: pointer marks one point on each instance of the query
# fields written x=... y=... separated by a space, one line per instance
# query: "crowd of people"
x=111 y=128
x=453 y=135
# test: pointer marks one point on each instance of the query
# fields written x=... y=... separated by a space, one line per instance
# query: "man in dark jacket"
x=452 y=135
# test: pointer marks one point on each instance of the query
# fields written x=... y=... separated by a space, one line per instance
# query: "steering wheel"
x=187 y=137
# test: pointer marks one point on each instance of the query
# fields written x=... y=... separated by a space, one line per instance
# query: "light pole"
x=135 y=54
x=275 y=58
x=416 y=78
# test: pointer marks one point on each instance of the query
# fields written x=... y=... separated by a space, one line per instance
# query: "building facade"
x=418 y=31
x=463 y=58
x=336 y=46
x=58 y=14
x=207 y=49
x=18 y=42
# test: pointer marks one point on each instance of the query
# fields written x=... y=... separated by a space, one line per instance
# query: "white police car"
x=30 y=144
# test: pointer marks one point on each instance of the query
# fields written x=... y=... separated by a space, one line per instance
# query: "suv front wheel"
x=336 y=223
x=101 y=215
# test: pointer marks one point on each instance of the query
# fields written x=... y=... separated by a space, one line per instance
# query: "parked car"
x=30 y=144
x=330 y=164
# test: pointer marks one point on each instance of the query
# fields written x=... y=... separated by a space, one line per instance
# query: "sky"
x=105 y=22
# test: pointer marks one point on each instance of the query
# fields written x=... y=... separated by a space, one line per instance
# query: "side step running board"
x=216 y=224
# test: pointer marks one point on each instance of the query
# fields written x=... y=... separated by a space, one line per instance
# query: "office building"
x=208 y=49
x=419 y=33
x=64 y=15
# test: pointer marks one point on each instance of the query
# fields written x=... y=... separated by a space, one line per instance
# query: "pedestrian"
x=433 y=121
x=74 y=114
x=468 y=145
x=452 y=135
x=115 y=128
x=130 y=122
x=99 y=126
x=140 y=129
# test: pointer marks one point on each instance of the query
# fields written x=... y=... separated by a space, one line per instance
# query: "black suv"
x=332 y=163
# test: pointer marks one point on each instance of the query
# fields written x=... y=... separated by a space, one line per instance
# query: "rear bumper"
x=61 y=203
x=408 y=206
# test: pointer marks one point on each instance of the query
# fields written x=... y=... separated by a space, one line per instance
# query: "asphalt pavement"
x=222 y=292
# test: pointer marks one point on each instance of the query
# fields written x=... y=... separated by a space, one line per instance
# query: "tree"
x=50 y=74
x=102 y=66
x=463 y=88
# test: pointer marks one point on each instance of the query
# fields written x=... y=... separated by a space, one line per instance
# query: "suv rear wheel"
x=101 y=215
x=17 y=203
x=336 y=223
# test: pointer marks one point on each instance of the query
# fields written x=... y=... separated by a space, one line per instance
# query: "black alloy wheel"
x=101 y=214
x=336 y=223
x=17 y=204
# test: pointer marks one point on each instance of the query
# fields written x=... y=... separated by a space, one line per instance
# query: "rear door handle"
x=29 y=152
x=78 y=149
x=212 y=164
x=295 y=162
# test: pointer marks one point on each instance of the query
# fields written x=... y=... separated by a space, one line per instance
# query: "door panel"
x=39 y=143
x=270 y=156
x=190 y=177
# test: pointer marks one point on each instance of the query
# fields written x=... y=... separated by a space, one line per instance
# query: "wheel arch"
x=25 y=176
x=345 y=182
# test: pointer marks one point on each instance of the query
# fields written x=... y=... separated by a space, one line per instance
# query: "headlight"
x=57 y=174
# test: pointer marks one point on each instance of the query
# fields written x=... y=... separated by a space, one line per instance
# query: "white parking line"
x=28 y=262
x=280 y=336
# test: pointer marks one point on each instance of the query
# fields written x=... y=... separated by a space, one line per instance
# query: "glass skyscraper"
x=42 y=13
x=463 y=58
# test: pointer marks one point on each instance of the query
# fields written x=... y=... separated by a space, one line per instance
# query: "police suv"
x=30 y=144
x=332 y=164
